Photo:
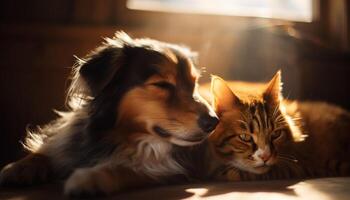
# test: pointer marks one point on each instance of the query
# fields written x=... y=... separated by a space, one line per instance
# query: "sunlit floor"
x=315 y=189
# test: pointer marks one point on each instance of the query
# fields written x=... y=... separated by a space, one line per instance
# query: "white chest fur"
x=152 y=157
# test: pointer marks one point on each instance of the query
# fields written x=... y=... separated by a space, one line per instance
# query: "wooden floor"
x=315 y=189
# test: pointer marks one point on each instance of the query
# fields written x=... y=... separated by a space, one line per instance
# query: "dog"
x=131 y=101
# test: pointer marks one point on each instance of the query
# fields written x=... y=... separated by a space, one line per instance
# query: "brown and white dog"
x=132 y=101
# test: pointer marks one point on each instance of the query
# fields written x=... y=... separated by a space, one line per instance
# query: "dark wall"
x=39 y=38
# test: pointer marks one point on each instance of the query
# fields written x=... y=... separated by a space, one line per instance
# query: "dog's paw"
x=24 y=172
x=90 y=182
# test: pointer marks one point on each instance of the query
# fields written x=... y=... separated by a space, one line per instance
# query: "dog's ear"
x=92 y=74
x=98 y=70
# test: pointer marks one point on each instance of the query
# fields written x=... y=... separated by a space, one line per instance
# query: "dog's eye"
x=164 y=85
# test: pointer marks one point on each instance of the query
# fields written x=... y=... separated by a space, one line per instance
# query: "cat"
x=262 y=136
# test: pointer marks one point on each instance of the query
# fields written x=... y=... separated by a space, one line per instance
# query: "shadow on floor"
x=326 y=188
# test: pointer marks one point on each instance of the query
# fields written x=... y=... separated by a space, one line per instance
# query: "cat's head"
x=253 y=124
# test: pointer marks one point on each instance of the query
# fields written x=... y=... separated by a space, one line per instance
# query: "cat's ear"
x=273 y=92
x=223 y=97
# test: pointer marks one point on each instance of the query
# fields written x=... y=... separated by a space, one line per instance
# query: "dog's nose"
x=207 y=123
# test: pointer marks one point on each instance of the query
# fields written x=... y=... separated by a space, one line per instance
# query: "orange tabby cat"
x=262 y=136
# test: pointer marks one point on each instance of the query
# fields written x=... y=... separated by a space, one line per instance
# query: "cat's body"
x=314 y=140
x=326 y=149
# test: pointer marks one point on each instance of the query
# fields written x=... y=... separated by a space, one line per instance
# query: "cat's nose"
x=265 y=156
x=207 y=122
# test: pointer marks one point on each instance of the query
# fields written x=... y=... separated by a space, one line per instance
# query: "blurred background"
x=236 y=39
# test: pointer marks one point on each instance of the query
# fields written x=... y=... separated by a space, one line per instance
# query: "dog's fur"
x=130 y=102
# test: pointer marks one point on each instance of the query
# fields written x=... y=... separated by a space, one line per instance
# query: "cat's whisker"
x=289 y=163
x=288 y=159
x=286 y=155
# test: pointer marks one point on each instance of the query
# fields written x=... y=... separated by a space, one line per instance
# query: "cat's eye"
x=164 y=85
x=245 y=137
x=276 y=134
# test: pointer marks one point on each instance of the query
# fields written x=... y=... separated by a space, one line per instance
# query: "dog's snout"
x=207 y=122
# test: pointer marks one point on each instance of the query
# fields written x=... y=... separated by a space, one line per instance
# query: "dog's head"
x=143 y=86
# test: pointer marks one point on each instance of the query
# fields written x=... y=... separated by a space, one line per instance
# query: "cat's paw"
x=28 y=171
x=90 y=182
